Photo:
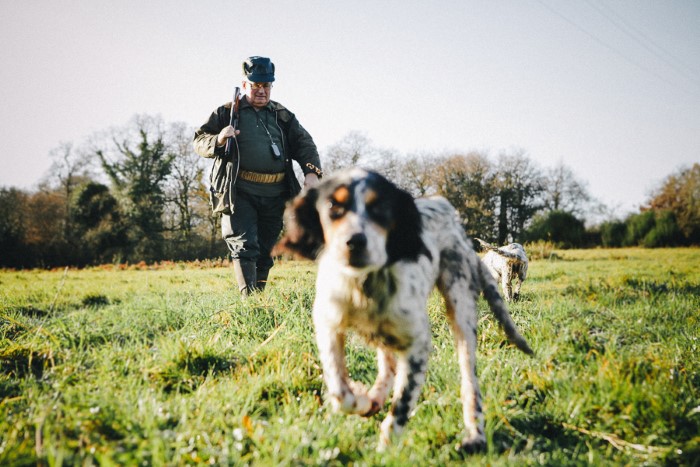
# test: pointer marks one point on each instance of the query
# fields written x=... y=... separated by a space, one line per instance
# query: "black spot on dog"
x=401 y=409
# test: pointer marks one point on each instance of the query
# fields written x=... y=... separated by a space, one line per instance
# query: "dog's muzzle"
x=357 y=250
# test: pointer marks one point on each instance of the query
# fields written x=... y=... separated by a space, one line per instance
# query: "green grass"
x=171 y=367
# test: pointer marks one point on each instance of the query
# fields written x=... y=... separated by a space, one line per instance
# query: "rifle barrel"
x=233 y=120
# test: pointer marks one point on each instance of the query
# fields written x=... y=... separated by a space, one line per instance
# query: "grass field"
x=168 y=366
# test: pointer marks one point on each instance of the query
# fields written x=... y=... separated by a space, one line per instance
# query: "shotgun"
x=234 y=119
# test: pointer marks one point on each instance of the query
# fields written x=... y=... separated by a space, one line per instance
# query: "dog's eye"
x=377 y=211
x=336 y=210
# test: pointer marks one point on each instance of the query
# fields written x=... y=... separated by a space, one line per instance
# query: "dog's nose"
x=358 y=242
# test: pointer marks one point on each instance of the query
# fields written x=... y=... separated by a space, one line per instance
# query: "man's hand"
x=226 y=133
x=310 y=180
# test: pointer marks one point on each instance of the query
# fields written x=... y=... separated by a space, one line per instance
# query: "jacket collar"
x=272 y=106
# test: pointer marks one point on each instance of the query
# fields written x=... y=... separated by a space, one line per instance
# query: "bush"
x=638 y=226
x=612 y=233
x=541 y=249
x=665 y=232
x=561 y=228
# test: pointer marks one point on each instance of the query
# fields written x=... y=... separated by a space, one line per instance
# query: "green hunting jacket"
x=297 y=145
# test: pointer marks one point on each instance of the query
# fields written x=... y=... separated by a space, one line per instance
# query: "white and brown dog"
x=505 y=265
x=380 y=254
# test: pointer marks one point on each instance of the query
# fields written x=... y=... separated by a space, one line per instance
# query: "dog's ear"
x=303 y=234
x=404 y=239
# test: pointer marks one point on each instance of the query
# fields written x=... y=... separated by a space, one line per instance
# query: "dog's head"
x=358 y=217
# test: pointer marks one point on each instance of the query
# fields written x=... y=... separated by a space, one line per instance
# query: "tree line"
x=140 y=193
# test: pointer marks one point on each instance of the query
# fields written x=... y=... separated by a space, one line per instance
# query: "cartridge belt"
x=258 y=177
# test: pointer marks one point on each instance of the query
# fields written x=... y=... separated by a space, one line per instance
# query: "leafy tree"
x=44 y=229
x=680 y=194
x=140 y=163
x=13 y=248
x=97 y=222
x=468 y=182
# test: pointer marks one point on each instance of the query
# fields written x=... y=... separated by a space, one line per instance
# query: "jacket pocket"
x=220 y=186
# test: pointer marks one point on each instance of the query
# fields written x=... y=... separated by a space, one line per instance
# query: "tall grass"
x=170 y=367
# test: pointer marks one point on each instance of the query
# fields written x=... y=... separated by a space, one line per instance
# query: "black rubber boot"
x=262 y=278
x=245 y=272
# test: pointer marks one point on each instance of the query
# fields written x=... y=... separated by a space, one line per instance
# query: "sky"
x=610 y=89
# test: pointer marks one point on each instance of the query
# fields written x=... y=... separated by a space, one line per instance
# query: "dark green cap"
x=259 y=69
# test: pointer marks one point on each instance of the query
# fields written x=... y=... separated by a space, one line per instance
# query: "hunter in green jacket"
x=250 y=186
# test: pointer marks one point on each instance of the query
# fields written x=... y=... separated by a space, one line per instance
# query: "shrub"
x=638 y=226
x=560 y=227
x=541 y=249
x=665 y=232
x=612 y=233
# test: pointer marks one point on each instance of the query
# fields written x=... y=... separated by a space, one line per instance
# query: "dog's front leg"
x=521 y=279
x=345 y=395
x=410 y=377
x=506 y=284
x=386 y=370
x=516 y=291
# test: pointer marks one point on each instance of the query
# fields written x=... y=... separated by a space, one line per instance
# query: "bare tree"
x=564 y=191
x=185 y=206
x=415 y=174
x=353 y=150
x=68 y=170
x=520 y=186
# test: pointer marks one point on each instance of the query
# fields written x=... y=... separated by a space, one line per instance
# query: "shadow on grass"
x=19 y=361
x=31 y=311
x=548 y=435
x=190 y=369
x=537 y=432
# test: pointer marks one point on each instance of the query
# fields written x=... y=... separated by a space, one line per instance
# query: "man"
x=251 y=186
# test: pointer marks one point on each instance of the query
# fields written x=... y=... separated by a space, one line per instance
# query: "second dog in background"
x=506 y=264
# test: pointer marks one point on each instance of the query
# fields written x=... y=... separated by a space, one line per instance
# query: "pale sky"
x=609 y=88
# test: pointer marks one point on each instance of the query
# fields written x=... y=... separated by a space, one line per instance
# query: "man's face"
x=258 y=94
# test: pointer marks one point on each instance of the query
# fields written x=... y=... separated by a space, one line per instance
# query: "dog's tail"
x=499 y=310
x=501 y=252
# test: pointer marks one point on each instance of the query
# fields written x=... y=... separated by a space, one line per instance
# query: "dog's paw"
x=354 y=401
x=374 y=409
x=363 y=404
x=377 y=397
x=472 y=444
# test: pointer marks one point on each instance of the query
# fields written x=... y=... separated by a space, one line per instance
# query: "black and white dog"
x=380 y=254
x=506 y=264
